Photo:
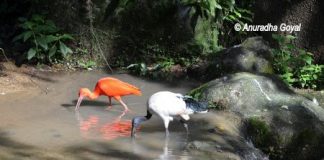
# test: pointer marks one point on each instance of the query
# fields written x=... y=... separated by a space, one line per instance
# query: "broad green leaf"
x=28 y=25
x=309 y=60
x=290 y=37
x=232 y=17
x=132 y=65
x=50 y=23
x=42 y=42
x=31 y=53
x=309 y=53
x=241 y=10
x=66 y=36
x=218 y=6
x=290 y=46
x=51 y=38
x=64 y=49
x=27 y=35
x=38 y=18
x=237 y=14
x=52 y=51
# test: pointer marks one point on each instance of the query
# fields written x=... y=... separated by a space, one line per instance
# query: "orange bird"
x=110 y=87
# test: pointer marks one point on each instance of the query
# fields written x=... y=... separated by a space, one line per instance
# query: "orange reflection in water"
x=118 y=128
x=109 y=130
x=92 y=121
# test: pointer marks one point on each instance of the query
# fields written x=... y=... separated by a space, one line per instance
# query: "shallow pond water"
x=42 y=124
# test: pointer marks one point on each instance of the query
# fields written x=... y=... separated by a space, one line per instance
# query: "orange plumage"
x=110 y=87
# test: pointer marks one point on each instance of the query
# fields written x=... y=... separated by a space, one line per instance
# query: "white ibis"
x=168 y=105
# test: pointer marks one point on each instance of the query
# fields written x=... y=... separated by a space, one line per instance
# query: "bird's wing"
x=115 y=87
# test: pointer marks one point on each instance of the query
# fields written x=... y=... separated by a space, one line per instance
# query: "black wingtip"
x=195 y=105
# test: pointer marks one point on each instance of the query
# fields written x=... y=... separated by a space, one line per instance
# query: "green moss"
x=267 y=69
x=197 y=92
x=259 y=130
x=264 y=138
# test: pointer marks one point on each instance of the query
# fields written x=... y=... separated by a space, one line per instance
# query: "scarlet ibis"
x=110 y=87
x=168 y=105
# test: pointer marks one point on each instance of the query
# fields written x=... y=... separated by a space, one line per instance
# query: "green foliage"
x=138 y=68
x=260 y=128
x=197 y=92
x=295 y=65
x=89 y=64
x=159 y=70
x=216 y=19
x=156 y=37
x=209 y=8
x=43 y=38
x=262 y=136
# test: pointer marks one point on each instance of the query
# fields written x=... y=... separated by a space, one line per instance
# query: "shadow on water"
x=6 y=142
x=100 y=150
x=11 y=150
x=86 y=102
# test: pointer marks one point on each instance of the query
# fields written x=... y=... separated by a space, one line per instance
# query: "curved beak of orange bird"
x=79 y=102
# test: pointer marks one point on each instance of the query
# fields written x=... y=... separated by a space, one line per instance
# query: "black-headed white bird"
x=168 y=105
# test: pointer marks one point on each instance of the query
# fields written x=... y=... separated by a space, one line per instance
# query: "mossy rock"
x=253 y=56
x=263 y=137
x=280 y=122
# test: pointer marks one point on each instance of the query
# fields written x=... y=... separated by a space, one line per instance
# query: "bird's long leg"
x=166 y=151
x=121 y=115
x=124 y=105
x=109 y=106
x=166 y=125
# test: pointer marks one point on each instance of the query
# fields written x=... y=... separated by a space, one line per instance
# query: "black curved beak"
x=133 y=130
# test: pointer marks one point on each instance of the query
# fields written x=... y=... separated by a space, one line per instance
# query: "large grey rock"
x=282 y=123
x=224 y=140
x=253 y=55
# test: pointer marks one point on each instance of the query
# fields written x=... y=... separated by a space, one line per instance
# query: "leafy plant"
x=216 y=18
x=43 y=38
x=309 y=75
x=161 y=69
x=295 y=65
x=87 y=64
x=138 y=68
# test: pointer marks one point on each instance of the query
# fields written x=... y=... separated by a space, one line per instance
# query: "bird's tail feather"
x=196 y=106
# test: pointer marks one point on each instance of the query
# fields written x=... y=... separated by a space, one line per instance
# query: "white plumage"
x=168 y=105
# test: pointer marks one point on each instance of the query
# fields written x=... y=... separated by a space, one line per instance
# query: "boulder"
x=280 y=122
x=253 y=55
x=220 y=135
